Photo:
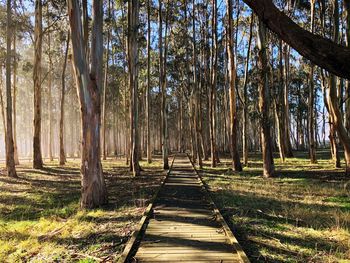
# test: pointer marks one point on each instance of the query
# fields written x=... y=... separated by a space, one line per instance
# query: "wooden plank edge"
x=220 y=218
x=142 y=223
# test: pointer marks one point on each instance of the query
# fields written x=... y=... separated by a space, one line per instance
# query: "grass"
x=40 y=219
x=301 y=215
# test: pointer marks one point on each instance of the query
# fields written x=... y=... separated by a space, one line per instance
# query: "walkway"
x=185 y=226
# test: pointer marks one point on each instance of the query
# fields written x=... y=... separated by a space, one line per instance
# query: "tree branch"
x=319 y=50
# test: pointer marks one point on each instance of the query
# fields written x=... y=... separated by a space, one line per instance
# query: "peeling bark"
x=89 y=84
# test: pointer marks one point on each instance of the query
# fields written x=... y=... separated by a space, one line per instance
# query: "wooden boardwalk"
x=185 y=225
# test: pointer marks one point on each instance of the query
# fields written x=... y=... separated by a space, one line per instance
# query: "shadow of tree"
x=263 y=221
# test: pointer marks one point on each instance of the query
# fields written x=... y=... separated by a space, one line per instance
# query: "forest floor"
x=301 y=215
x=40 y=219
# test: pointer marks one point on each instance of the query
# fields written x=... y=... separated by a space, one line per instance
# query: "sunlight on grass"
x=302 y=215
x=40 y=217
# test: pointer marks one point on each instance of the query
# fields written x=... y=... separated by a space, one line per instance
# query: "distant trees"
x=324 y=53
x=207 y=81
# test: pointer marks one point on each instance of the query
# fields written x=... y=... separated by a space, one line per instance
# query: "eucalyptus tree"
x=89 y=84
x=133 y=27
x=319 y=50
x=15 y=66
x=195 y=91
x=62 y=155
x=10 y=158
x=105 y=85
x=347 y=88
x=232 y=84
x=311 y=121
x=212 y=93
x=264 y=103
x=148 y=98
x=37 y=80
x=245 y=94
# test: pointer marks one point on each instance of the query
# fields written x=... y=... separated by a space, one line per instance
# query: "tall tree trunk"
x=164 y=93
x=212 y=95
x=202 y=82
x=133 y=25
x=161 y=68
x=181 y=123
x=299 y=120
x=347 y=87
x=15 y=91
x=332 y=129
x=189 y=98
x=201 y=77
x=195 y=91
x=148 y=130
x=287 y=142
x=38 y=35
x=125 y=80
x=50 y=96
x=280 y=128
x=62 y=159
x=3 y=107
x=89 y=84
x=264 y=97
x=245 y=94
x=10 y=158
x=105 y=85
x=279 y=107
x=85 y=17
x=311 y=122
x=236 y=163
x=337 y=117
x=162 y=85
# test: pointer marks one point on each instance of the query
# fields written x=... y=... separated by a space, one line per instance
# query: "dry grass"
x=40 y=219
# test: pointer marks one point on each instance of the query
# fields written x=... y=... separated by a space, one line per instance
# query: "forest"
x=121 y=115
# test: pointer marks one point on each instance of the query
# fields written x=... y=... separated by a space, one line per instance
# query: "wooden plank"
x=171 y=249
x=196 y=234
x=183 y=228
x=186 y=226
x=188 y=238
x=187 y=256
x=195 y=261
x=220 y=218
x=130 y=244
